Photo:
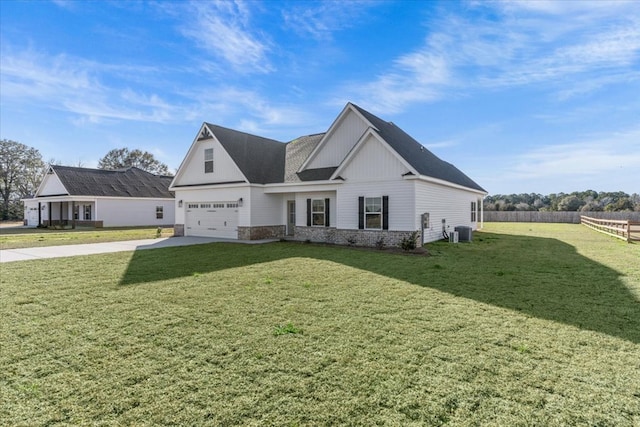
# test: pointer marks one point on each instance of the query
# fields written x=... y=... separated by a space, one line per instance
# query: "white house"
x=101 y=198
x=363 y=180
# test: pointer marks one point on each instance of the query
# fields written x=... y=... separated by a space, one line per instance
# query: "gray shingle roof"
x=261 y=160
x=297 y=152
x=417 y=155
x=265 y=161
x=130 y=182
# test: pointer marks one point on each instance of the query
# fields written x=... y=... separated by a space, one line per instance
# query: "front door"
x=291 y=217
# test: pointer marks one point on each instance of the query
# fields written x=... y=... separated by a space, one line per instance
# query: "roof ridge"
x=243 y=132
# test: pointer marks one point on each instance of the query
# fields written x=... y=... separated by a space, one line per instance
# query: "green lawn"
x=14 y=238
x=531 y=324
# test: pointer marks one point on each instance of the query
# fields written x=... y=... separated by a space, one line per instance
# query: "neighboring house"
x=363 y=180
x=101 y=198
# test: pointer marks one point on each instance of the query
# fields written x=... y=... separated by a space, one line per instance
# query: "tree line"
x=583 y=201
x=22 y=169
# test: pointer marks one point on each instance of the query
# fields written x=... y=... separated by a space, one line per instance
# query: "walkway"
x=10 y=255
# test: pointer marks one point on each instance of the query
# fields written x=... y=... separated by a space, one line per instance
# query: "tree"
x=570 y=203
x=120 y=158
x=21 y=170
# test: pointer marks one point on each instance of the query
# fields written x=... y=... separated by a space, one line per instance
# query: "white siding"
x=373 y=161
x=133 y=212
x=401 y=203
x=266 y=209
x=224 y=168
x=344 y=136
x=52 y=186
x=226 y=194
x=442 y=202
x=301 y=206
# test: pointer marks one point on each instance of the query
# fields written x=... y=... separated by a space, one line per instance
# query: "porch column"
x=481 y=213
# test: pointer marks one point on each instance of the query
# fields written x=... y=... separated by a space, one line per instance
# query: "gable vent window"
x=208 y=160
x=373 y=213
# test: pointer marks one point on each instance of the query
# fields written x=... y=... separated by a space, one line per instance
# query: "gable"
x=237 y=157
x=341 y=138
x=372 y=160
x=192 y=170
x=51 y=185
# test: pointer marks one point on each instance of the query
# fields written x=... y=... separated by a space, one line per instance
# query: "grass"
x=531 y=324
x=15 y=238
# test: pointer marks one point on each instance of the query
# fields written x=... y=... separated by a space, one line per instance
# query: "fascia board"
x=299 y=187
x=444 y=183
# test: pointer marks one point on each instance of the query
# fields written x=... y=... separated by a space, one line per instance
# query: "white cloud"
x=223 y=28
x=323 y=18
x=566 y=48
x=78 y=86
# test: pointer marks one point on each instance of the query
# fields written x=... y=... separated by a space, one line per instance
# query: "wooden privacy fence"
x=555 y=216
x=626 y=230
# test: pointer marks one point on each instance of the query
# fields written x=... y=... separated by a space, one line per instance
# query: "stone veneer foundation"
x=368 y=238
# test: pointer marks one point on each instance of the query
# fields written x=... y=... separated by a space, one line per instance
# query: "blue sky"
x=539 y=96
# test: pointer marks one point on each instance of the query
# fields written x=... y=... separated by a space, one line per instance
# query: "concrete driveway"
x=10 y=255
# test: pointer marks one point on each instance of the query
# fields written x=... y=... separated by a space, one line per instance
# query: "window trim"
x=208 y=160
x=368 y=214
x=315 y=212
x=384 y=213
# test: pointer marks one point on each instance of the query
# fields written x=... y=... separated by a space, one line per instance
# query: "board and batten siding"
x=119 y=212
x=443 y=202
x=226 y=194
x=373 y=161
x=224 y=168
x=344 y=136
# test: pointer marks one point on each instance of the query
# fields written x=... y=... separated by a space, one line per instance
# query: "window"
x=87 y=212
x=317 y=212
x=373 y=212
x=192 y=205
x=473 y=211
x=208 y=160
x=159 y=212
x=232 y=205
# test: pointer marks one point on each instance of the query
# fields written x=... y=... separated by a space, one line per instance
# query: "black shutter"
x=326 y=213
x=361 y=213
x=385 y=212
x=308 y=212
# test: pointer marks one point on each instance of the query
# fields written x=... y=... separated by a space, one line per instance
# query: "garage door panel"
x=202 y=219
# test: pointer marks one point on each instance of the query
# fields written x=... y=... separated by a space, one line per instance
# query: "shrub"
x=410 y=243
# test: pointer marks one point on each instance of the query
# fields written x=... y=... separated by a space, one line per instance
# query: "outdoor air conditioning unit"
x=466 y=233
x=453 y=237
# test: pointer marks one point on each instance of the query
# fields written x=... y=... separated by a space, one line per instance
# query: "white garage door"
x=212 y=219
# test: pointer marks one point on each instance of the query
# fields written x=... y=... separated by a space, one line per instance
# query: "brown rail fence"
x=626 y=230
